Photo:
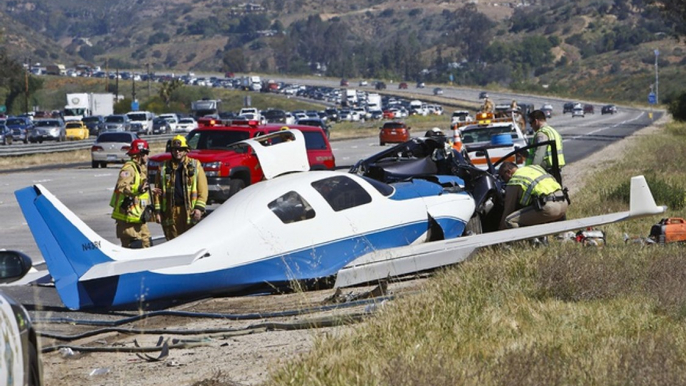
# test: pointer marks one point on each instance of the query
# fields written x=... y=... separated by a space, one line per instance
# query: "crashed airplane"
x=296 y=226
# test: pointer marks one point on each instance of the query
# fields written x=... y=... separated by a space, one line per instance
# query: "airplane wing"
x=415 y=258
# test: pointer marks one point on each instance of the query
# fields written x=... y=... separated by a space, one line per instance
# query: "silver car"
x=120 y=122
x=111 y=147
x=47 y=130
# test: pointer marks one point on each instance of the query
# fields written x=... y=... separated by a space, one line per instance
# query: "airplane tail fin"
x=69 y=246
x=641 y=201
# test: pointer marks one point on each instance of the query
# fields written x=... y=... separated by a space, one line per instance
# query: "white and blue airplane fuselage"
x=299 y=226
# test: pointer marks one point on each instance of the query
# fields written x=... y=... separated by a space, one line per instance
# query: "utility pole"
x=26 y=83
x=657 y=81
x=107 y=75
x=133 y=93
x=116 y=85
x=148 y=66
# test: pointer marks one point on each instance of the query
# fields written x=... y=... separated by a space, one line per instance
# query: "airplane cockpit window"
x=291 y=207
x=342 y=192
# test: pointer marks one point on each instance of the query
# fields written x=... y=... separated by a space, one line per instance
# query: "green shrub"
x=678 y=108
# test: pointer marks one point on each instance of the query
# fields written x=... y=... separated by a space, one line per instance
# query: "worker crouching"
x=181 y=191
x=532 y=196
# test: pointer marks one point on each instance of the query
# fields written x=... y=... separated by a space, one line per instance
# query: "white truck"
x=251 y=83
x=80 y=105
x=373 y=102
x=349 y=97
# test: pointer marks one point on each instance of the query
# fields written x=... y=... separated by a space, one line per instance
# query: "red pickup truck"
x=230 y=168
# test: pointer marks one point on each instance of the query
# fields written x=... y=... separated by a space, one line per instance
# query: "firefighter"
x=487 y=107
x=532 y=196
x=542 y=155
x=131 y=198
x=181 y=190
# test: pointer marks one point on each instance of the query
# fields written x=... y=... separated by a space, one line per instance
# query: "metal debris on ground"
x=164 y=352
x=339 y=297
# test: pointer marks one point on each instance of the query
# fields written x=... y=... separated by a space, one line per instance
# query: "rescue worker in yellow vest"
x=543 y=155
x=130 y=198
x=487 y=107
x=182 y=187
x=532 y=196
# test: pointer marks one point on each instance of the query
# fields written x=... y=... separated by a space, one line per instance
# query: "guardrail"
x=18 y=149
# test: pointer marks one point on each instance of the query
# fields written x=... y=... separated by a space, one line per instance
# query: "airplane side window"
x=342 y=192
x=291 y=207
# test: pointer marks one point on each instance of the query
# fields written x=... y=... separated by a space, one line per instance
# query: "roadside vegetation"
x=564 y=314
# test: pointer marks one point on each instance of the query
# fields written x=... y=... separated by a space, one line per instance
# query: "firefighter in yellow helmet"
x=532 y=196
x=182 y=187
x=131 y=198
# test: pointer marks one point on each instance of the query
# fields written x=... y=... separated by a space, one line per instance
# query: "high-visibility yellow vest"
x=535 y=182
x=548 y=159
x=132 y=211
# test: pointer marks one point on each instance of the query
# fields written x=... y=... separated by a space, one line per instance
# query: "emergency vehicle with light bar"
x=497 y=136
x=230 y=168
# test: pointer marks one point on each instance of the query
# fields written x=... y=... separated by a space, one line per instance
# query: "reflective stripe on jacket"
x=552 y=134
x=167 y=177
x=535 y=182
x=129 y=208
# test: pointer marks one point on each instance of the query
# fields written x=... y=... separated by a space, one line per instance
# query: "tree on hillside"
x=14 y=79
x=234 y=61
x=168 y=89
x=674 y=12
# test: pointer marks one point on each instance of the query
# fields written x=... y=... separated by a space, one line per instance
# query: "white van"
x=144 y=118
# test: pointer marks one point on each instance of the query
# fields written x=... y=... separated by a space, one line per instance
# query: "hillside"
x=541 y=46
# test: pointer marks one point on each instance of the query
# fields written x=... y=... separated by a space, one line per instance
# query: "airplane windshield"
x=291 y=207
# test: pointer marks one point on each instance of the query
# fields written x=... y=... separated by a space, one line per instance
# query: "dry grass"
x=561 y=315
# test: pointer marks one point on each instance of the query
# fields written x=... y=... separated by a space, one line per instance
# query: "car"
x=608 y=109
x=161 y=126
x=48 y=130
x=438 y=91
x=460 y=116
x=76 y=131
x=402 y=86
x=19 y=355
x=187 y=124
x=173 y=120
x=5 y=135
x=483 y=95
x=393 y=132
x=144 y=118
x=117 y=122
x=589 y=109
x=315 y=122
x=111 y=147
x=547 y=110
x=388 y=114
x=274 y=116
x=421 y=85
x=578 y=112
x=568 y=107
x=332 y=114
x=95 y=124
x=380 y=86
x=20 y=126
x=344 y=82
x=364 y=83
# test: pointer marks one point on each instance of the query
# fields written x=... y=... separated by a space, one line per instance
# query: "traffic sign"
x=651 y=98
x=3 y=109
x=134 y=106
